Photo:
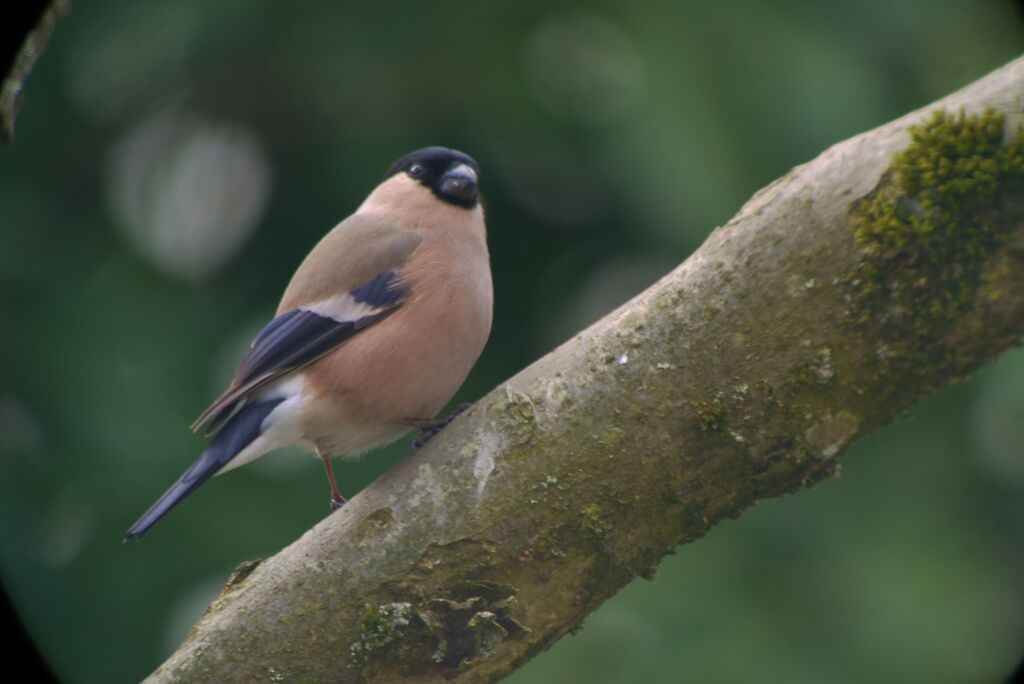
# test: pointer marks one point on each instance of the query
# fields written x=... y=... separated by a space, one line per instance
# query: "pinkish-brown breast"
x=409 y=365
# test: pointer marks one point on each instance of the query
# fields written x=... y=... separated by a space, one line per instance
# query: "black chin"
x=464 y=197
x=458 y=191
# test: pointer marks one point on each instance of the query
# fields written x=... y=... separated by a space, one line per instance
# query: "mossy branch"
x=888 y=267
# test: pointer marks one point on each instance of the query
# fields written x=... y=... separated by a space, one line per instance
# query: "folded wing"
x=339 y=310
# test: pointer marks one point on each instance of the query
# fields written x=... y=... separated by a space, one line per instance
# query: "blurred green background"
x=175 y=161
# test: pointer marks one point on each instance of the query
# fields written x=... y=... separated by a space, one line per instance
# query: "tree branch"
x=888 y=267
x=12 y=87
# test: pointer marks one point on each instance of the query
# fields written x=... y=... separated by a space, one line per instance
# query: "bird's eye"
x=416 y=170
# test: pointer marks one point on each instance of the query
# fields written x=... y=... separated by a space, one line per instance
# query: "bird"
x=376 y=331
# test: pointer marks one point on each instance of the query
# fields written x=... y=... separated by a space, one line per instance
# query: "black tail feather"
x=237 y=433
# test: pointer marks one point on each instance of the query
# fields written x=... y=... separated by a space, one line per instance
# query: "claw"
x=429 y=428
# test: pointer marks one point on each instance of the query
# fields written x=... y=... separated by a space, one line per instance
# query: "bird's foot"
x=429 y=428
x=337 y=500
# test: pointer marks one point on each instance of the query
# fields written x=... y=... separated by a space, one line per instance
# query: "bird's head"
x=451 y=175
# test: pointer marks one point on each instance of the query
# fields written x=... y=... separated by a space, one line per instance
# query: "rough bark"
x=838 y=296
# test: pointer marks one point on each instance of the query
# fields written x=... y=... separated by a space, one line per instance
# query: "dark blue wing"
x=299 y=337
x=380 y=292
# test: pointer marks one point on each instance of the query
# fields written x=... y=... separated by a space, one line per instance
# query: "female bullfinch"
x=378 y=328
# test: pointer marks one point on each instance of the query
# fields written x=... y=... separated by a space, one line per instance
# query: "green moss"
x=380 y=627
x=709 y=415
x=927 y=228
x=926 y=232
x=371 y=621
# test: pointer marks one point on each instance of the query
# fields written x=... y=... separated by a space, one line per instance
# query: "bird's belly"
x=404 y=368
x=352 y=440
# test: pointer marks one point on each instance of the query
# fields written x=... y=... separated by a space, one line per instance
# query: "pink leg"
x=337 y=500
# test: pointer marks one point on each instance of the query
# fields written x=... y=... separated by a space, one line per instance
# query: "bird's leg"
x=431 y=426
x=337 y=500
